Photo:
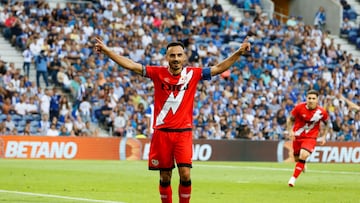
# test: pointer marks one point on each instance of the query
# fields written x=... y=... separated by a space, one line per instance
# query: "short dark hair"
x=312 y=91
x=173 y=44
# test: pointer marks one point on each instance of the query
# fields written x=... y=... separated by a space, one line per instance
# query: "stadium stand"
x=251 y=101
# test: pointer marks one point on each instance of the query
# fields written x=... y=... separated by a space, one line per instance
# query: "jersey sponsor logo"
x=317 y=116
x=173 y=102
x=174 y=87
x=307 y=127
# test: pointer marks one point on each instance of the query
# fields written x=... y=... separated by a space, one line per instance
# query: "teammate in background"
x=304 y=127
x=174 y=92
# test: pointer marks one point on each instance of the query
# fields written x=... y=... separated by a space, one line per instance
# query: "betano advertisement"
x=96 y=148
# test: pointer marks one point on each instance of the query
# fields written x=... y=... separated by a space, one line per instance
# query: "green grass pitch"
x=60 y=181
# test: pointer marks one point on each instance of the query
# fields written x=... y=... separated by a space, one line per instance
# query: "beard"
x=175 y=65
x=311 y=106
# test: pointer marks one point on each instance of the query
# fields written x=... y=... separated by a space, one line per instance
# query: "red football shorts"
x=306 y=143
x=169 y=147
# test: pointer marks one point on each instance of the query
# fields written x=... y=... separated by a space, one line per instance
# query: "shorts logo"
x=154 y=162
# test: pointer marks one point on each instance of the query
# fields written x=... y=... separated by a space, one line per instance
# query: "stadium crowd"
x=86 y=91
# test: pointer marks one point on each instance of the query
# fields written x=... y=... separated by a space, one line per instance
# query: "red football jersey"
x=307 y=122
x=174 y=96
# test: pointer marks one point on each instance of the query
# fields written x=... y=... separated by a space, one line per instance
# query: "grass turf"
x=67 y=181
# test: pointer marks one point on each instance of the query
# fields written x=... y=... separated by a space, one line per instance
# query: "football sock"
x=184 y=191
x=165 y=192
x=299 y=168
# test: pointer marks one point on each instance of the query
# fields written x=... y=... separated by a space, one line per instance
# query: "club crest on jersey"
x=154 y=162
x=167 y=80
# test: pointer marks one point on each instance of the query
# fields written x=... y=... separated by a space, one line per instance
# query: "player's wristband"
x=206 y=73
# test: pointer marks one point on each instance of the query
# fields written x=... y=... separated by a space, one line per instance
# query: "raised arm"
x=228 y=62
x=351 y=104
x=121 y=60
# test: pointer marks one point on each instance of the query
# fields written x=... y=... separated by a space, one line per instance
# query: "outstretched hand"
x=99 y=45
x=245 y=46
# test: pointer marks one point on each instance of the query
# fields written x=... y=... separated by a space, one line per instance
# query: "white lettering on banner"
x=35 y=145
x=15 y=149
x=336 y=154
x=22 y=150
x=10 y=149
x=71 y=149
x=202 y=152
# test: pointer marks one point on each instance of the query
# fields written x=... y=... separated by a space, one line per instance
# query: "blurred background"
x=53 y=83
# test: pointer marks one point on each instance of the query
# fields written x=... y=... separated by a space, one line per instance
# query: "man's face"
x=312 y=101
x=176 y=57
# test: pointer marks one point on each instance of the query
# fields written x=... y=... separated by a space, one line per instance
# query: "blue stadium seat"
x=21 y=123
x=34 y=124
x=358 y=43
x=352 y=37
x=2 y=117
x=214 y=29
x=33 y=130
x=16 y=117
x=352 y=15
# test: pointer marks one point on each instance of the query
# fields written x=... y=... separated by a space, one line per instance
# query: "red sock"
x=165 y=194
x=184 y=193
x=299 y=167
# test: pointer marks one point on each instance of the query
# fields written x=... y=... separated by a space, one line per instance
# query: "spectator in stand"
x=44 y=124
x=54 y=67
x=45 y=101
x=21 y=107
x=345 y=5
x=346 y=26
x=320 y=18
x=41 y=65
x=85 y=109
x=9 y=23
x=32 y=106
x=55 y=104
x=9 y=123
x=63 y=131
x=79 y=124
x=27 y=128
x=119 y=123
x=89 y=130
x=28 y=56
x=7 y=107
x=52 y=131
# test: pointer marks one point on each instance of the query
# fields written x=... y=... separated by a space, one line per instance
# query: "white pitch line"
x=57 y=196
x=277 y=169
